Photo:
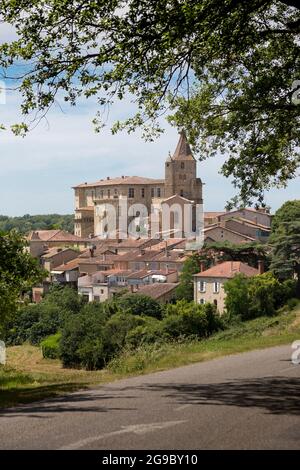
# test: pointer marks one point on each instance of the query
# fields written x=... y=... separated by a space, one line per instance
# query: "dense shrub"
x=81 y=342
x=148 y=332
x=33 y=323
x=19 y=329
x=92 y=337
x=190 y=319
x=51 y=346
x=138 y=304
x=257 y=296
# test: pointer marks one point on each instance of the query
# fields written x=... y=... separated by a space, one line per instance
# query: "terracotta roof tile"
x=74 y=264
x=120 y=181
x=229 y=269
x=157 y=289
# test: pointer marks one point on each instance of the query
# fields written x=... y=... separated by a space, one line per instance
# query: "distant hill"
x=27 y=222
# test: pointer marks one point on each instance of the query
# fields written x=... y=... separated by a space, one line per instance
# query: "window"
x=102 y=193
x=116 y=191
x=216 y=302
x=181 y=192
x=216 y=287
x=202 y=286
x=202 y=301
x=182 y=165
x=96 y=298
x=143 y=192
x=102 y=291
x=158 y=192
x=131 y=193
x=152 y=192
x=108 y=193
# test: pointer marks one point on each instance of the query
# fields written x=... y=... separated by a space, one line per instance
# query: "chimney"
x=261 y=267
x=202 y=266
x=108 y=178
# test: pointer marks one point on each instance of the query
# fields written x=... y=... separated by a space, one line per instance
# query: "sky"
x=37 y=172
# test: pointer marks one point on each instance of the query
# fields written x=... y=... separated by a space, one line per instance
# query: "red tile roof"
x=54 y=235
x=226 y=229
x=57 y=251
x=69 y=266
x=121 y=180
x=229 y=269
x=157 y=289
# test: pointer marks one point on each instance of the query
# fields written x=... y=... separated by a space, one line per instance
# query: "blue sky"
x=38 y=171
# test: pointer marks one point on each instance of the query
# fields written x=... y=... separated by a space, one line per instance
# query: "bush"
x=33 y=323
x=257 y=296
x=91 y=338
x=149 y=332
x=138 y=304
x=190 y=319
x=51 y=346
x=81 y=344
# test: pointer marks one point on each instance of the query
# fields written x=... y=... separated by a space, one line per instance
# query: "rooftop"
x=69 y=266
x=120 y=181
x=157 y=289
x=53 y=235
x=229 y=269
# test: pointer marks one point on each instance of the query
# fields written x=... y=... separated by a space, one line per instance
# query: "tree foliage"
x=285 y=241
x=256 y=296
x=27 y=222
x=191 y=266
x=228 y=69
x=250 y=253
x=18 y=272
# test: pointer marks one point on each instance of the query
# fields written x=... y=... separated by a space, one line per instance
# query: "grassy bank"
x=28 y=377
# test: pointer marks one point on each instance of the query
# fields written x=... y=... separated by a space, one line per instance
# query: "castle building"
x=93 y=201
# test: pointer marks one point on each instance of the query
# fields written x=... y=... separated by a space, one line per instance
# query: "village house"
x=40 y=241
x=66 y=274
x=209 y=284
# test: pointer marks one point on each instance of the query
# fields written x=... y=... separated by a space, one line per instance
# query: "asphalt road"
x=245 y=401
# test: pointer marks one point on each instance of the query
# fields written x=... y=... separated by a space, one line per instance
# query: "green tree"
x=250 y=253
x=191 y=266
x=237 y=297
x=18 y=273
x=285 y=242
x=27 y=222
x=257 y=296
x=286 y=252
x=138 y=304
x=288 y=212
x=228 y=69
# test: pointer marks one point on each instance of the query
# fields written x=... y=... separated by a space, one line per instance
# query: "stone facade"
x=96 y=202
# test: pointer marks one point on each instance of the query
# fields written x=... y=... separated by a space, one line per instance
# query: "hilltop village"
x=100 y=263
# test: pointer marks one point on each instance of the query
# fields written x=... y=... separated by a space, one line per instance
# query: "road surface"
x=245 y=401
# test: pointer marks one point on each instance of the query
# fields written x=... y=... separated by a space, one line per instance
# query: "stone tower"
x=181 y=173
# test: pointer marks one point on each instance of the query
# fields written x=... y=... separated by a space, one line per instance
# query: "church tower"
x=181 y=173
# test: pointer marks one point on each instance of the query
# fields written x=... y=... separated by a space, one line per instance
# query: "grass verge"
x=28 y=377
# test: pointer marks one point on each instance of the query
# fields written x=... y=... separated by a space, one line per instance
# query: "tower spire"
x=183 y=150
